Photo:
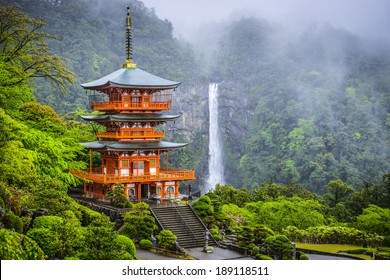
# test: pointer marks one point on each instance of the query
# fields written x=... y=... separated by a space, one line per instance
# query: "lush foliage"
x=166 y=239
x=38 y=149
x=139 y=224
x=307 y=109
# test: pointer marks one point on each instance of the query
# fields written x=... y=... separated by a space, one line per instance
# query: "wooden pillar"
x=138 y=191
x=176 y=189
x=90 y=161
x=126 y=191
x=163 y=191
x=85 y=190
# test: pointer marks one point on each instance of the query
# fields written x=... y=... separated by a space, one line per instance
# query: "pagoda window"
x=170 y=190
x=125 y=163
x=138 y=167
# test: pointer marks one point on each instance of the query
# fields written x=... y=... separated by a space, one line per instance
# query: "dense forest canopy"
x=314 y=108
x=305 y=123
x=299 y=107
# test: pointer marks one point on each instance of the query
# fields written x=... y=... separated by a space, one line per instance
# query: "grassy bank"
x=332 y=249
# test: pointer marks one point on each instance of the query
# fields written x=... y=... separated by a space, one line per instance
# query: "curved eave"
x=132 y=117
x=131 y=78
x=115 y=146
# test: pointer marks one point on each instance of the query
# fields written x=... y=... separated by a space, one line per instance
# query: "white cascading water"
x=215 y=144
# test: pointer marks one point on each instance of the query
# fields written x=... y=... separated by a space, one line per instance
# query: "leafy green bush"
x=16 y=246
x=356 y=251
x=263 y=257
x=302 y=256
x=11 y=221
x=217 y=237
x=282 y=247
x=50 y=222
x=386 y=241
x=255 y=250
x=203 y=206
x=214 y=231
x=88 y=215
x=2 y=204
x=166 y=239
x=125 y=248
x=48 y=240
x=145 y=244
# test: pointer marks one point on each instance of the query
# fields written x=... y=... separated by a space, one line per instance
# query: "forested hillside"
x=92 y=38
x=305 y=122
x=306 y=109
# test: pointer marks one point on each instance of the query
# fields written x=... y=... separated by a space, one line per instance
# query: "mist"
x=365 y=18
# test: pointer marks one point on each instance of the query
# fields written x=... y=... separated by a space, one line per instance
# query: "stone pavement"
x=217 y=254
x=197 y=253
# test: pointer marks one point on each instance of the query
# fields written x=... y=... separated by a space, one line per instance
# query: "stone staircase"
x=184 y=223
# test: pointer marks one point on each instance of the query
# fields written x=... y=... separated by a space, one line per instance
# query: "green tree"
x=25 y=51
x=166 y=239
x=375 y=220
x=138 y=223
x=338 y=192
x=203 y=206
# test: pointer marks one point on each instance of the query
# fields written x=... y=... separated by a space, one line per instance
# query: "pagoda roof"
x=133 y=146
x=131 y=78
x=132 y=117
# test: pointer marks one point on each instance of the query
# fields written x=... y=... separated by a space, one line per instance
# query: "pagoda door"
x=136 y=101
x=145 y=191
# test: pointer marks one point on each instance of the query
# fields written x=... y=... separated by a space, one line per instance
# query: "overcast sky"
x=367 y=17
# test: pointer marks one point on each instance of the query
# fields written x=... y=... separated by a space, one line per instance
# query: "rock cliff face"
x=233 y=121
x=191 y=101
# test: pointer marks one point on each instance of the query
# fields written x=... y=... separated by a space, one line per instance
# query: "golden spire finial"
x=129 y=63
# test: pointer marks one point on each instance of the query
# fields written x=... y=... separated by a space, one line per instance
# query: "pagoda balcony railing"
x=163 y=175
x=133 y=134
x=130 y=106
x=120 y=102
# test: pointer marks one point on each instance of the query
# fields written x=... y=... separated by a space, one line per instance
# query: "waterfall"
x=215 y=143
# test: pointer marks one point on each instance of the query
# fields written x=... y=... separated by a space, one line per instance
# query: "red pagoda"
x=131 y=147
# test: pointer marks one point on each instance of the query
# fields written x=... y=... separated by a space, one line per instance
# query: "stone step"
x=170 y=219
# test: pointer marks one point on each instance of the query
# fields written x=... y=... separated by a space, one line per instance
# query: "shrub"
x=166 y=239
x=11 y=221
x=263 y=257
x=88 y=215
x=15 y=246
x=125 y=248
x=145 y=244
x=255 y=250
x=302 y=256
x=282 y=247
x=203 y=207
x=2 y=204
x=217 y=237
x=386 y=241
x=50 y=222
x=48 y=240
x=214 y=231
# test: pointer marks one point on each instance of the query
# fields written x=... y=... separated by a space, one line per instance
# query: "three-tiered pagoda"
x=132 y=101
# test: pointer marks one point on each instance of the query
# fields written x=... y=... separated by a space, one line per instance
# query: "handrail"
x=156 y=218
x=188 y=229
x=200 y=220
x=131 y=134
x=112 y=105
x=163 y=175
